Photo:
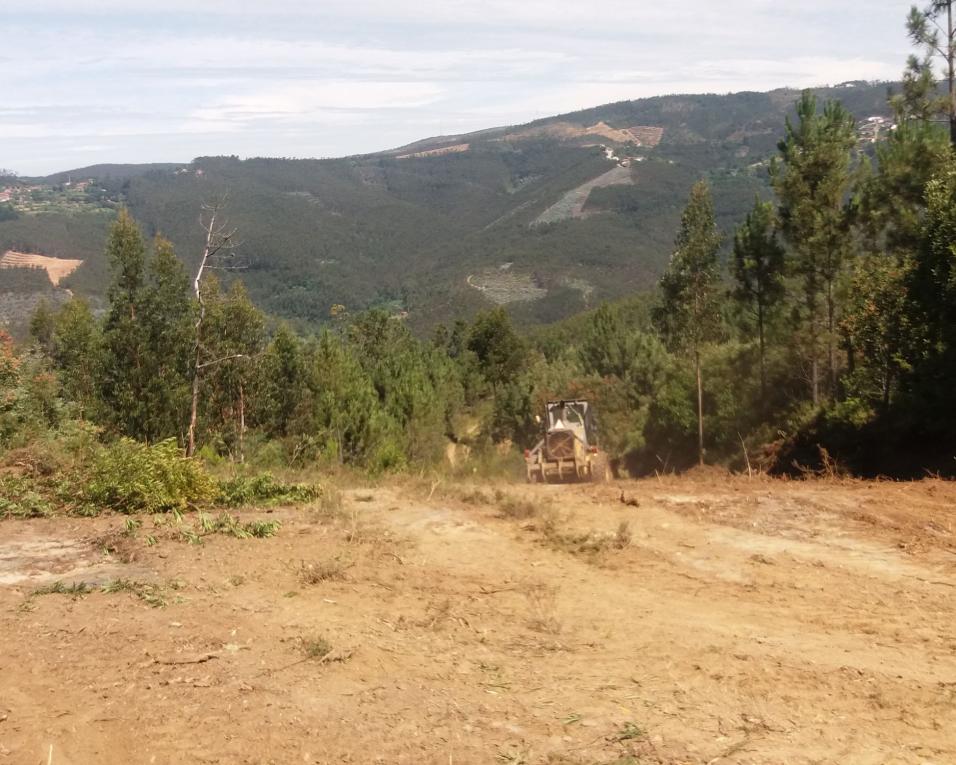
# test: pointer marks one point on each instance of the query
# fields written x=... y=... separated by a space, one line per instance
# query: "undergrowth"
x=263 y=489
x=19 y=498
x=588 y=542
x=230 y=525
x=153 y=595
x=130 y=477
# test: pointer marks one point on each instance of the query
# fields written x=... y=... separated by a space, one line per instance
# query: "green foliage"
x=29 y=405
x=892 y=201
x=26 y=280
x=496 y=346
x=77 y=354
x=131 y=477
x=860 y=281
x=124 y=377
x=153 y=595
x=230 y=525
x=234 y=339
x=878 y=326
x=932 y=29
x=165 y=319
x=19 y=498
x=630 y=366
x=263 y=489
x=73 y=589
x=758 y=268
x=812 y=179
x=689 y=315
x=313 y=230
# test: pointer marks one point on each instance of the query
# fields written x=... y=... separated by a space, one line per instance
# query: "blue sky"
x=89 y=81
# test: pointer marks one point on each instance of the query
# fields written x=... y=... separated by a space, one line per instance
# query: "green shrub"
x=20 y=498
x=230 y=525
x=131 y=477
x=263 y=490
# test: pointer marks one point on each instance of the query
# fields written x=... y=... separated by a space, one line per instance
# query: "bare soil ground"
x=700 y=620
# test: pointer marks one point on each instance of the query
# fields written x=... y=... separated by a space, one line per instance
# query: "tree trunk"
x=209 y=250
x=197 y=366
x=951 y=73
x=242 y=422
x=831 y=321
x=700 y=410
x=763 y=369
x=194 y=408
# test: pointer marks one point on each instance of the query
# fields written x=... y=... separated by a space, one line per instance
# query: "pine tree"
x=758 y=268
x=495 y=343
x=892 y=201
x=932 y=29
x=933 y=278
x=689 y=314
x=812 y=178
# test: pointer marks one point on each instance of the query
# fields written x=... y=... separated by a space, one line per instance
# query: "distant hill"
x=108 y=172
x=547 y=218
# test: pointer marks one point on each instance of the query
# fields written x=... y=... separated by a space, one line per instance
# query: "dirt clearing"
x=682 y=621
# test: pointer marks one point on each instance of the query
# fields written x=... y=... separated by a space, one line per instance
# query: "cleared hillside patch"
x=571 y=204
x=57 y=268
x=502 y=285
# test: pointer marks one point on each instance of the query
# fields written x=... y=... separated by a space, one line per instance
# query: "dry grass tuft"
x=316 y=647
x=542 y=602
x=329 y=570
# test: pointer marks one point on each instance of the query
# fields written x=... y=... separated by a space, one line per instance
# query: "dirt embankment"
x=713 y=621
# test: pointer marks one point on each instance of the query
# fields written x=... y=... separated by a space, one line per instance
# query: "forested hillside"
x=405 y=229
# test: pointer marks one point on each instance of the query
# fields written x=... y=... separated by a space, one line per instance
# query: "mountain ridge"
x=405 y=228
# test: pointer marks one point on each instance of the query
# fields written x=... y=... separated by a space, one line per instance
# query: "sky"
x=90 y=81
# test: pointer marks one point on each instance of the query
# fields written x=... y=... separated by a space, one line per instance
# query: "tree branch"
x=224 y=358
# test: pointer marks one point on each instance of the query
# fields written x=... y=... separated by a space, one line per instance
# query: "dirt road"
x=684 y=621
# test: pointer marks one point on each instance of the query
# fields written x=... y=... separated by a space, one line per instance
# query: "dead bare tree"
x=220 y=246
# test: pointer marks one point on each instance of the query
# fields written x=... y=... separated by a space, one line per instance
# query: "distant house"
x=872 y=128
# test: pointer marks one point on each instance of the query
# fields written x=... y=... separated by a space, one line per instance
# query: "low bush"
x=230 y=525
x=131 y=477
x=515 y=508
x=329 y=570
x=263 y=489
x=20 y=498
x=589 y=542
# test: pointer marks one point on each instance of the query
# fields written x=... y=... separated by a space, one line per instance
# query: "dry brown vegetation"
x=706 y=619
